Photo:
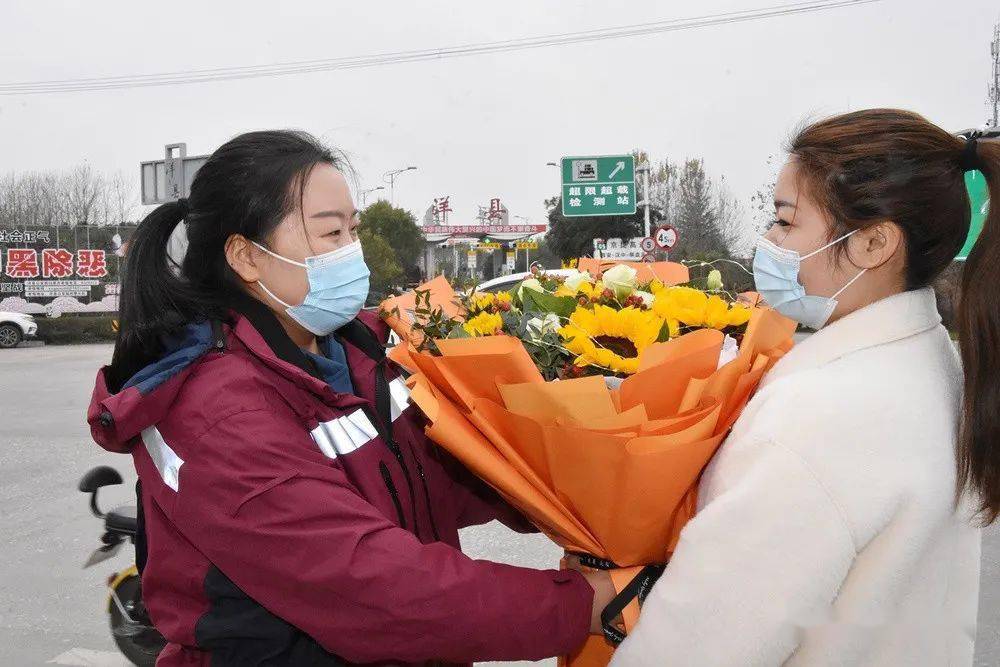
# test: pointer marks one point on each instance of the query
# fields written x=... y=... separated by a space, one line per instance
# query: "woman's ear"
x=242 y=259
x=876 y=245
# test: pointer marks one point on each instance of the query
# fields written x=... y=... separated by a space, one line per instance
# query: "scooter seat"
x=121 y=519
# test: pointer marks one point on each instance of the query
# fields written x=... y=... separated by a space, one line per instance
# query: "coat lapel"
x=891 y=319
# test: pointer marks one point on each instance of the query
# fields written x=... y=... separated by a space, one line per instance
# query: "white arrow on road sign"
x=618 y=167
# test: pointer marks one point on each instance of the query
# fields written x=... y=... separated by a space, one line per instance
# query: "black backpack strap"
x=360 y=336
x=140 y=530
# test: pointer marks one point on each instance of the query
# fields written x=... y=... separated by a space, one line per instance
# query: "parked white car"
x=15 y=327
x=505 y=283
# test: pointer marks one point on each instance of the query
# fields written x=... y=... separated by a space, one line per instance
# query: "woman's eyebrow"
x=333 y=214
x=781 y=203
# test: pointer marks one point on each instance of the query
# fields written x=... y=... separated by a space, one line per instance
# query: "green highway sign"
x=979 y=197
x=598 y=185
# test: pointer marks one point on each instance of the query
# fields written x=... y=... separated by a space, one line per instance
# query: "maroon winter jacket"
x=282 y=529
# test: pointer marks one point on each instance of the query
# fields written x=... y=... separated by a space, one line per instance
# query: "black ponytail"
x=245 y=187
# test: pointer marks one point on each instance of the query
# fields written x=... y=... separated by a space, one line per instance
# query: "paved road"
x=51 y=610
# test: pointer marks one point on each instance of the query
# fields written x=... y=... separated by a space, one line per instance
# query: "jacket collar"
x=891 y=319
x=254 y=342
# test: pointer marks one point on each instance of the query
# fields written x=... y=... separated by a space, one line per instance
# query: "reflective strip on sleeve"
x=164 y=458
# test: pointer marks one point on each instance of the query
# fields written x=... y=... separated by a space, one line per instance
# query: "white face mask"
x=776 y=276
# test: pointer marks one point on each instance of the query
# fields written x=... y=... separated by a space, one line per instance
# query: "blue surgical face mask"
x=338 y=287
x=776 y=276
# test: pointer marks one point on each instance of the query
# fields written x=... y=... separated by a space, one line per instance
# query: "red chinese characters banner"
x=55 y=263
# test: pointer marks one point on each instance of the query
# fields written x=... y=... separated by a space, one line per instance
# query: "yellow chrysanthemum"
x=609 y=338
x=503 y=298
x=483 y=324
x=591 y=290
x=482 y=301
x=563 y=290
x=656 y=286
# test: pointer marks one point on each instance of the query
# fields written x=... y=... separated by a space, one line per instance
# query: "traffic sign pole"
x=645 y=194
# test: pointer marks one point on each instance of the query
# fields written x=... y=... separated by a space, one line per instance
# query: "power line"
x=381 y=59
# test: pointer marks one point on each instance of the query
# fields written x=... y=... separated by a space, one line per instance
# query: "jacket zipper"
x=391 y=486
x=398 y=453
x=427 y=499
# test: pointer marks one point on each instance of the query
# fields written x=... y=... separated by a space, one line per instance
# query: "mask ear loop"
x=849 y=283
x=276 y=255
x=272 y=294
x=830 y=244
x=283 y=259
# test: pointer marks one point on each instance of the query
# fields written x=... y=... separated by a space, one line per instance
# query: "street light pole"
x=364 y=194
x=391 y=175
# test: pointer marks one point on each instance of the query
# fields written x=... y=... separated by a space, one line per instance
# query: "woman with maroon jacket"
x=294 y=512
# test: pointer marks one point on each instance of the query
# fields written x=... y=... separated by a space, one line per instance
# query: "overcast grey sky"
x=481 y=126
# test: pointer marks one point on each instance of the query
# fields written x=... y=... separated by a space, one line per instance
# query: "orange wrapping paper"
x=669 y=273
x=612 y=473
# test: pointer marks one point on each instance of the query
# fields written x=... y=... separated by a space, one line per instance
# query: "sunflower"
x=483 y=324
x=719 y=314
x=693 y=308
x=609 y=338
x=684 y=305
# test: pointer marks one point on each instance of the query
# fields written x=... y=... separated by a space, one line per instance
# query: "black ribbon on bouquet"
x=638 y=588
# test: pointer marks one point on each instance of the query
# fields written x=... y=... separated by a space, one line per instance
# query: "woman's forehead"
x=787 y=186
x=326 y=189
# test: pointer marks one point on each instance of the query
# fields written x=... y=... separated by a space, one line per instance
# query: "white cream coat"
x=827 y=532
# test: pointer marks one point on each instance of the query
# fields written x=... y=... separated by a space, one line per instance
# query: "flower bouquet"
x=592 y=403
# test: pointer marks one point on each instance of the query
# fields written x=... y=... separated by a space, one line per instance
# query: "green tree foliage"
x=386 y=272
x=393 y=245
x=398 y=227
x=568 y=238
x=696 y=215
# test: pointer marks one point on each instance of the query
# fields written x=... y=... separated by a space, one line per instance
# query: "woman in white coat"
x=836 y=524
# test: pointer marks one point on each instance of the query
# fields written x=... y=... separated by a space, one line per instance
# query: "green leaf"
x=459 y=332
x=664 y=334
x=511 y=322
x=563 y=306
